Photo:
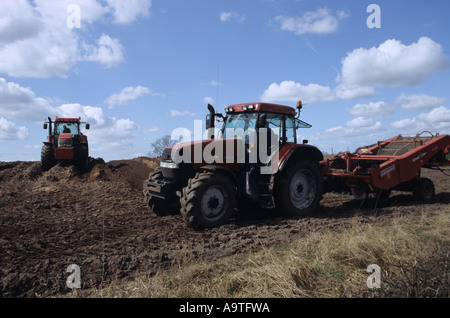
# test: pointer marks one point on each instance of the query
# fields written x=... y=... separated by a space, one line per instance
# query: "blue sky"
x=138 y=69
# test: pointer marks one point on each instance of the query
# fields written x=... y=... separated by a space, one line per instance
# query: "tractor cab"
x=277 y=119
x=259 y=126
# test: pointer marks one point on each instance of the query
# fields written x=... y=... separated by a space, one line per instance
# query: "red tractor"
x=254 y=159
x=65 y=143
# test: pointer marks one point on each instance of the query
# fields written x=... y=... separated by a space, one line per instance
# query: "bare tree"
x=159 y=145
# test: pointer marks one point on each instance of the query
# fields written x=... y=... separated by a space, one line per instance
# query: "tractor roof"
x=261 y=107
x=67 y=120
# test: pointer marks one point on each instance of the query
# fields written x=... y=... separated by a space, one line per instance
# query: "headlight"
x=170 y=165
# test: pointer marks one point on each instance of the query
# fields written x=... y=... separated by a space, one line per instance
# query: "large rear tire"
x=208 y=200
x=298 y=188
x=47 y=157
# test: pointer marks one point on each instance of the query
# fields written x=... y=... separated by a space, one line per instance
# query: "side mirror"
x=45 y=126
x=88 y=126
x=262 y=119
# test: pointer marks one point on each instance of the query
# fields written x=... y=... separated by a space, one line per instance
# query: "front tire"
x=208 y=200
x=82 y=158
x=299 y=188
x=47 y=157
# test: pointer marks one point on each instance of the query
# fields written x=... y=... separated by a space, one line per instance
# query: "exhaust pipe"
x=50 y=126
x=210 y=121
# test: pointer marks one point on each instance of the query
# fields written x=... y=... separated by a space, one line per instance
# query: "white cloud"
x=417 y=102
x=390 y=64
x=126 y=12
x=107 y=134
x=9 y=131
x=108 y=51
x=290 y=91
x=208 y=100
x=32 y=146
x=228 y=16
x=177 y=113
x=406 y=124
x=372 y=109
x=36 y=41
x=150 y=130
x=360 y=122
x=436 y=116
x=128 y=94
x=436 y=121
x=18 y=21
x=17 y=102
x=349 y=131
x=345 y=91
x=321 y=21
x=341 y=14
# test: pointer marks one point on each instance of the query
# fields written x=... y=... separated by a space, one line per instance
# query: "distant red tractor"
x=254 y=159
x=65 y=143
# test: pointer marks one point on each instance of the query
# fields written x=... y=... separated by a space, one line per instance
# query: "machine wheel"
x=208 y=200
x=424 y=190
x=160 y=206
x=298 y=189
x=81 y=157
x=360 y=191
x=47 y=157
x=381 y=196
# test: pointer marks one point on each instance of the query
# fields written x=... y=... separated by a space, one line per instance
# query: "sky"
x=138 y=69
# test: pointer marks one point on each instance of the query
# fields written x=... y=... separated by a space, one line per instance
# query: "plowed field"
x=99 y=221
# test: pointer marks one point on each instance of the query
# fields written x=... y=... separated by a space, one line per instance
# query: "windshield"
x=240 y=126
x=67 y=128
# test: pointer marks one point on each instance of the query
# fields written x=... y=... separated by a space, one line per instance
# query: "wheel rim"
x=301 y=189
x=213 y=203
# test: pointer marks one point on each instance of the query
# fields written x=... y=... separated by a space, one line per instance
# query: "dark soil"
x=99 y=221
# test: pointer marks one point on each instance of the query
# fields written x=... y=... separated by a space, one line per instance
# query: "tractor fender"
x=83 y=139
x=301 y=152
x=223 y=170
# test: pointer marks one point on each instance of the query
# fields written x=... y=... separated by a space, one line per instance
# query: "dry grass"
x=412 y=252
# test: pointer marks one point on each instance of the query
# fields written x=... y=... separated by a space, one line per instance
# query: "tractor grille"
x=64 y=143
x=167 y=154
